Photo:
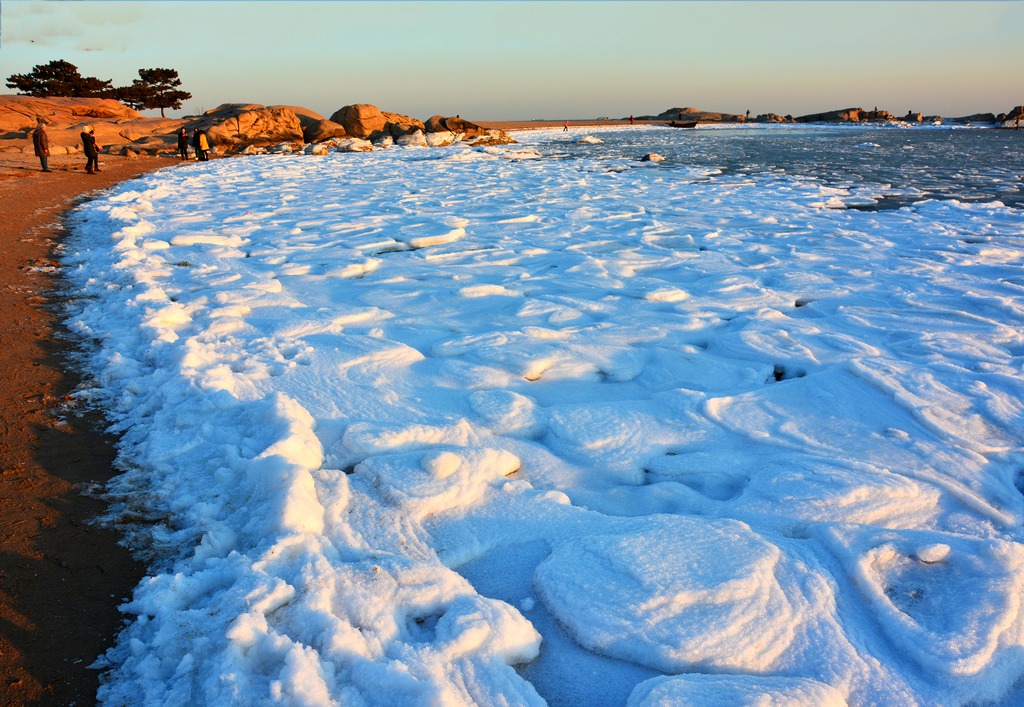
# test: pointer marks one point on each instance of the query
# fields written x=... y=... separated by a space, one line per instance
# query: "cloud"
x=67 y=26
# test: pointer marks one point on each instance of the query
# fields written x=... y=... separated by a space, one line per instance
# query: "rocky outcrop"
x=849 y=115
x=1012 y=120
x=976 y=118
x=19 y=113
x=688 y=114
x=234 y=126
x=773 y=118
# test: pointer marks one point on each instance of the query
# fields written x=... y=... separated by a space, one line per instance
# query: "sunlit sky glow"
x=521 y=60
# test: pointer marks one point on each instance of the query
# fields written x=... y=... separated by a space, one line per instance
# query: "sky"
x=489 y=60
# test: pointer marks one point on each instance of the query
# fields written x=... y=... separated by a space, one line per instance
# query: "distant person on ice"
x=92 y=155
x=41 y=143
x=183 y=144
x=566 y=128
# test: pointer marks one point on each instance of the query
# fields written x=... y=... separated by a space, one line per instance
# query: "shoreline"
x=61 y=577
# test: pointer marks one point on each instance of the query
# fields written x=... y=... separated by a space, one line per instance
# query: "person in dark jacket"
x=41 y=143
x=92 y=155
x=183 y=144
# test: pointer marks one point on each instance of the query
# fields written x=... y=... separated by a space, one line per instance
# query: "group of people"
x=200 y=144
x=41 y=144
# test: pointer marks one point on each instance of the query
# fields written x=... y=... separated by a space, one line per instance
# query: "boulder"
x=315 y=128
x=397 y=124
x=320 y=149
x=414 y=139
x=652 y=157
x=443 y=131
x=439 y=124
x=365 y=121
x=442 y=139
x=360 y=120
x=234 y=126
x=354 y=144
x=321 y=130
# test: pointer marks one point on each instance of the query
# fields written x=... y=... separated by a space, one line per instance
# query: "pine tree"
x=155 y=88
x=59 y=78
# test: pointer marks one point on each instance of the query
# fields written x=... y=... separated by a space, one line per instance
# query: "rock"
x=913 y=117
x=773 y=118
x=384 y=142
x=848 y=115
x=690 y=114
x=20 y=112
x=284 y=148
x=652 y=157
x=234 y=126
x=456 y=125
x=319 y=149
x=315 y=128
x=397 y=124
x=413 y=139
x=360 y=120
x=843 y=115
x=1013 y=119
x=442 y=139
x=491 y=139
x=976 y=118
x=354 y=144
x=322 y=130
x=365 y=121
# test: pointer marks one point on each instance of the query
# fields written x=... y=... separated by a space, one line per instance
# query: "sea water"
x=546 y=423
x=898 y=166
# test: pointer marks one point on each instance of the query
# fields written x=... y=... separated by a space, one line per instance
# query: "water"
x=893 y=167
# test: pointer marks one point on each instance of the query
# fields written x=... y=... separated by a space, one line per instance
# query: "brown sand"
x=61 y=578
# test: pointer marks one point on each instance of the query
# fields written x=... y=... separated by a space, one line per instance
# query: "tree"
x=59 y=78
x=155 y=88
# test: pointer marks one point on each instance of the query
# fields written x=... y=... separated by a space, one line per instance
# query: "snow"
x=488 y=426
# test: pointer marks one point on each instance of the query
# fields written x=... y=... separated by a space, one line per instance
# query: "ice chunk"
x=733 y=691
x=683 y=593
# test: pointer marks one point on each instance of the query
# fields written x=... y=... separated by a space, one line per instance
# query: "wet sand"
x=61 y=578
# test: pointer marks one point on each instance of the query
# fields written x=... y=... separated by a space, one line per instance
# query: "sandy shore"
x=61 y=579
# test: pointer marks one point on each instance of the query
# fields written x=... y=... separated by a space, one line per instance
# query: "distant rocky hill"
x=232 y=127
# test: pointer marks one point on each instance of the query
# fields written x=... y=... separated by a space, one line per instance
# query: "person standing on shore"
x=92 y=155
x=201 y=145
x=41 y=143
x=183 y=143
